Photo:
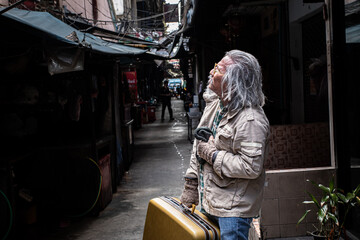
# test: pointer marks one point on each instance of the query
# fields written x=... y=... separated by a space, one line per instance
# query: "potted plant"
x=330 y=225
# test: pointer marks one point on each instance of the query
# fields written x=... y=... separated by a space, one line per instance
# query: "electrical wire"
x=129 y=21
x=135 y=20
x=69 y=19
x=97 y=9
x=173 y=12
x=125 y=21
x=177 y=6
x=83 y=8
x=95 y=21
x=10 y=217
x=156 y=22
x=144 y=11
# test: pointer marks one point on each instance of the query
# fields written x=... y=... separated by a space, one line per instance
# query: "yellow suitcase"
x=168 y=219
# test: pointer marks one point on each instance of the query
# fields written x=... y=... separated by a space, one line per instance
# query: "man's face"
x=217 y=74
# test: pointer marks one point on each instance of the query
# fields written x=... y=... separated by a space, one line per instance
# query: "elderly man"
x=228 y=168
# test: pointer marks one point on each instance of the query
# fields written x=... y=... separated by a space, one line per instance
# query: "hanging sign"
x=132 y=81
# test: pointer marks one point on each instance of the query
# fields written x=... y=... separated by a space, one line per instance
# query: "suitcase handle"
x=191 y=210
x=192 y=215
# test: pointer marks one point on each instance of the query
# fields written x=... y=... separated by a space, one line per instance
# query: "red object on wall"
x=132 y=81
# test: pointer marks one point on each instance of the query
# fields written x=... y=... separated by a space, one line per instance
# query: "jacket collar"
x=209 y=95
x=231 y=114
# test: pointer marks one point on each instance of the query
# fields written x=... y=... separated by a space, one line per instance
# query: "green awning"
x=46 y=25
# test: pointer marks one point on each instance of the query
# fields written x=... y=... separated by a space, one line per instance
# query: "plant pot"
x=316 y=236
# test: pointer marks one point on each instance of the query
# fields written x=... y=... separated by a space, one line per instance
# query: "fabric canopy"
x=45 y=24
x=353 y=34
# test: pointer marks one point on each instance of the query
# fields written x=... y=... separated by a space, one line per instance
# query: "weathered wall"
x=285 y=191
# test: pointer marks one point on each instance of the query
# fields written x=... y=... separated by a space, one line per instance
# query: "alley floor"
x=161 y=157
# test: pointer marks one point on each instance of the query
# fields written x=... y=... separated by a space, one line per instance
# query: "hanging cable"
x=82 y=7
x=136 y=20
x=121 y=34
x=97 y=9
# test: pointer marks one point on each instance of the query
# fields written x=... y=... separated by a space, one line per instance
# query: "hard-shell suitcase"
x=168 y=219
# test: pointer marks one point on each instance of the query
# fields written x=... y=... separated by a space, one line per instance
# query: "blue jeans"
x=232 y=228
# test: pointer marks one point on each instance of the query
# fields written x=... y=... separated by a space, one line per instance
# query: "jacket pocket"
x=253 y=152
x=220 y=192
x=223 y=139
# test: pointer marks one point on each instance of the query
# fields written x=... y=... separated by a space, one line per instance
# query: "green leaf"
x=324 y=200
x=314 y=183
x=334 y=198
x=325 y=189
x=308 y=202
x=334 y=218
x=342 y=197
x=303 y=217
x=357 y=190
x=350 y=196
x=331 y=185
x=322 y=213
x=314 y=199
x=358 y=200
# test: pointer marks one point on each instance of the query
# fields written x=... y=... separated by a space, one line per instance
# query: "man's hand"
x=206 y=150
x=190 y=194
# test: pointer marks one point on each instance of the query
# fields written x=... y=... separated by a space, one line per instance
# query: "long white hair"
x=242 y=82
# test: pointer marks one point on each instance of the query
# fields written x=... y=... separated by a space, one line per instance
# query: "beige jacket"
x=233 y=186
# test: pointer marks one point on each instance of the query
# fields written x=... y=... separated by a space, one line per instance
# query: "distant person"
x=178 y=91
x=187 y=101
x=165 y=95
x=227 y=166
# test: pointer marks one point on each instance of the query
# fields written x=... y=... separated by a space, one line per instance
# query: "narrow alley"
x=80 y=79
x=162 y=153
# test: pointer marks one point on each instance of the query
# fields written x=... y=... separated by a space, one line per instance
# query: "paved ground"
x=162 y=153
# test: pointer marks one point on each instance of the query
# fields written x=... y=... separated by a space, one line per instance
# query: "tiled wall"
x=298 y=146
x=285 y=190
x=296 y=153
